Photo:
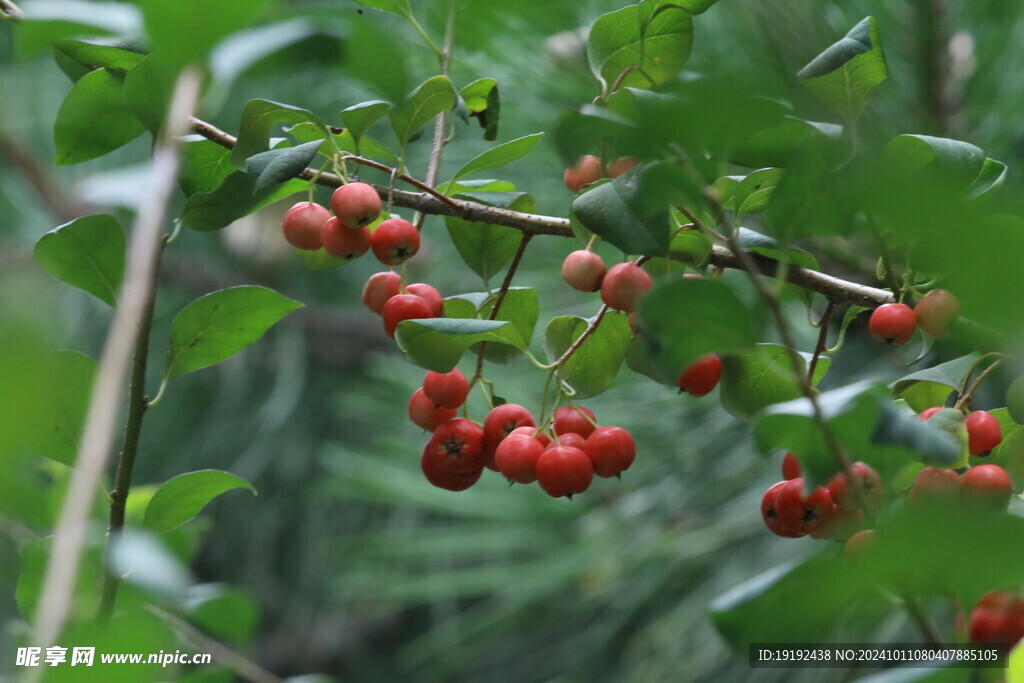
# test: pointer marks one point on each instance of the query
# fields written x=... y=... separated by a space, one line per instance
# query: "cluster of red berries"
x=895 y=323
x=563 y=462
x=833 y=511
x=346 y=234
x=589 y=169
x=385 y=294
x=997 y=618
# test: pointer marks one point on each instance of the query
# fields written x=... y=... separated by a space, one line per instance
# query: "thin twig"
x=822 y=340
x=401 y=176
x=965 y=398
x=499 y=300
x=595 y=321
x=444 y=58
x=104 y=405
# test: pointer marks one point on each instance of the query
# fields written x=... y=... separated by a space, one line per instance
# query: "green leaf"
x=259 y=118
x=499 y=156
x=780 y=144
x=96 y=55
x=519 y=307
x=67 y=381
x=45 y=22
x=223 y=611
x=753 y=380
x=280 y=165
x=399 y=7
x=989 y=179
x=220 y=324
x=792 y=603
x=691 y=247
x=684 y=320
x=751 y=193
x=483 y=101
x=95 y=97
x=320 y=260
x=368 y=147
x=627 y=213
x=592 y=368
x=770 y=247
x=204 y=166
x=847 y=72
x=175 y=34
x=234 y=198
x=959 y=161
x=487 y=248
x=148 y=89
x=359 y=117
x=932 y=386
x=654 y=37
x=434 y=96
x=87 y=253
x=184 y=496
x=438 y=343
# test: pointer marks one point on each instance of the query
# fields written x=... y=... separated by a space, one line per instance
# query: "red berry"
x=933 y=485
x=770 y=513
x=452 y=481
x=425 y=414
x=803 y=512
x=395 y=241
x=983 y=432
x=701 y=376
x=586 y=170
x=857 y=543
x=302 y=224
x=997 y=618
x=791 y=468
x=893 y=323
x=533 y=434
x=869 y=482
x=446 y=389
x=624 y=285
x=516 y=458
x=356 y=205
x=379 y=288
x=988 y=485
x=343 y=242
x=502 y=420
x=620 y=166
x=576 y=420
x=935 y=311
x=457 y=446
x=564 y=471
x=568 y=439
x=925 y=414
x=430 y=294
x=611 y=450
x=583 y=270
x=404 y=307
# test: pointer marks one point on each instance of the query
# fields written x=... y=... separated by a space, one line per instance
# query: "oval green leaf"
x=499 y=156
x=651 y=39
x=87 y=253
x=592 y=368
x=359 y=117
x=276 y=166
x=184 y=496
x=847 y=72
x=217 y=326
x=438 y=343
x=97 y=96
x=434 y=96
x=258 y=118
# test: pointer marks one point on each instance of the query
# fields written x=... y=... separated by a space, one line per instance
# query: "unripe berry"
x=457 y=446
x=624 y=285
x=855 y=547
x=395 y=241
x=621 y=165
x=893 y=323
x=586 y=170
x=342 y=242
x=356 y=205
x=983 y=432
x=791 y=468
x=302 y=225
x=935 y=311
x=987 y=485
x=578 y=420
x=583 y=270
x=404 y=307
x=379 y=288
x=701 y=377
x=442 y=479
x=430 y=295
x=446 y=389
x=868 y=481
x=516 y=458
x=564 y=471
x=425 y=414
x=611 y=450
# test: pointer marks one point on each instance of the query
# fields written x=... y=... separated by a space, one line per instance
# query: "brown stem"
x=401 y=176
x=441 y=122
x=822 y=340
x=499 y=300
x=964 y=399
x=583 y=337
